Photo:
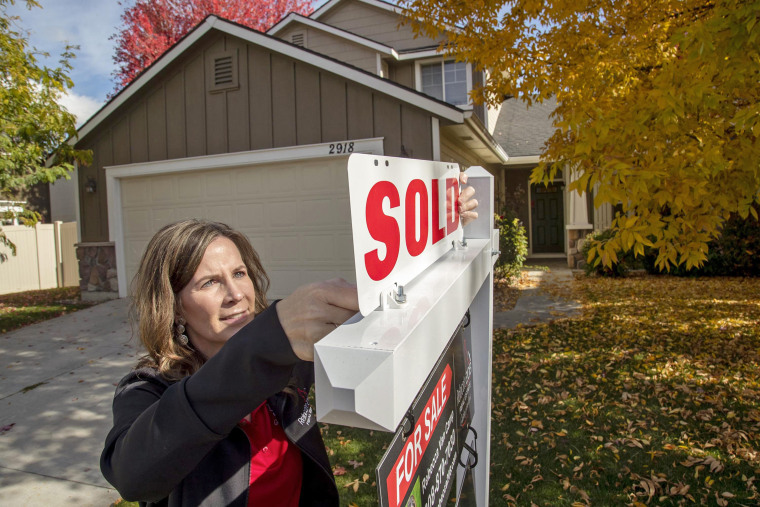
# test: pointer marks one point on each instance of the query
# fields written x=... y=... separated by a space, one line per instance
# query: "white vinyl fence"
x=45 y=257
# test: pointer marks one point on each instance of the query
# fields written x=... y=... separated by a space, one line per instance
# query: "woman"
x=217 y=412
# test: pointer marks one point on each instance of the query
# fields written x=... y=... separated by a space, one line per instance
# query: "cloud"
x=85 y=23
x=80 y=106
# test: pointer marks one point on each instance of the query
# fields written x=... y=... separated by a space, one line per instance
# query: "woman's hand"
x=313 y=311
x=466 y=202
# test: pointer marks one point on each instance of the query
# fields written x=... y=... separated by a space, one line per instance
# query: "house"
x=555 y=219
x=252 y=129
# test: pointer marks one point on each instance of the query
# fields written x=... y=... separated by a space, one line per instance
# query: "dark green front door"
x=547 y=218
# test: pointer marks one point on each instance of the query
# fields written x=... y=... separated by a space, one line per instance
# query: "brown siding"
x=333 y=98
x=308 y=124
x=333 y=46
x=121 y=142
x=402 y=73
x=359 y=112
x=260 y=93
x=216 y=106
x=283 y=93
x=376 y=24
x=157 y=132
x=279 y=102
x=195 y=112
x=387 y=116
x=416 y=133
x=238 y=122
x=176 y=133
x=138 y=133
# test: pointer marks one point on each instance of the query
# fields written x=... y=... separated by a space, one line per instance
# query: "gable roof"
x=294 y=17
x=212 y=22
x=327 y=6
x=522 y=130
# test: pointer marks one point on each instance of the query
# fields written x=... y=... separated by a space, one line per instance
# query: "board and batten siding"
x=402 y=73
x=279 y=102
x=376 y=24
x=334 y=47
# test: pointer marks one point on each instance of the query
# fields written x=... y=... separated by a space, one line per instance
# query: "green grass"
x=24 y=308
x=651 y=398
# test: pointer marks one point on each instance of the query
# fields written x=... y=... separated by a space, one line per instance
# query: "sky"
x=88 y=24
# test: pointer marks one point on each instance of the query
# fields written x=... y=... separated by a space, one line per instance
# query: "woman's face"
x=220 y=298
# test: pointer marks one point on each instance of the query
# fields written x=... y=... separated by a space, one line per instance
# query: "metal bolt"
x=399 y=295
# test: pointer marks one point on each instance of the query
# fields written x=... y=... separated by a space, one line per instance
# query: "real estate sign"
x=419 y=467
x=403 y=218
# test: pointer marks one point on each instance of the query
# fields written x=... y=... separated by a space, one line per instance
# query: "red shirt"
x=276 y=467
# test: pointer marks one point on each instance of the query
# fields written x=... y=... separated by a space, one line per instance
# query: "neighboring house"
x=252 y=129
x=555 y=219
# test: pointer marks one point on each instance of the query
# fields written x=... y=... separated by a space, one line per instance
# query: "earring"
x=181 y=336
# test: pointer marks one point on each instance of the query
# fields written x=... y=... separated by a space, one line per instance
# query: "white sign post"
x=418 y=274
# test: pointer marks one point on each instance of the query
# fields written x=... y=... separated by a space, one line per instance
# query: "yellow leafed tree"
x=658 y=102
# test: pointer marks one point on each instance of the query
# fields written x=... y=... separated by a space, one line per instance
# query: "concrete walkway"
x=535 y=305
x=57 y=380
x=56 y=386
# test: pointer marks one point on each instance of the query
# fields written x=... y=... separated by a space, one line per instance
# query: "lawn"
x=652 y=397
x=24 y=308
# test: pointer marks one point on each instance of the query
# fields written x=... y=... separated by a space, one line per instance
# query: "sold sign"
x=404 y=217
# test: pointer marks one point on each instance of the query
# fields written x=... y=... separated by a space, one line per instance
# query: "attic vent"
x=298 y=39
x=222 y=71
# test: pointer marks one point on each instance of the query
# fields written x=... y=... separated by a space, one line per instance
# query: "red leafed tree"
x=150 y=27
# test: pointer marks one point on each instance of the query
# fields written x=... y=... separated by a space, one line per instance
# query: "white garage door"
x=295 y=213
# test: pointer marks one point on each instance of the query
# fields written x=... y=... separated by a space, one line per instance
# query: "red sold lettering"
x=438 y=232
x=414 y=245
x=382 y=228
x=385 y=229
x=452 y=215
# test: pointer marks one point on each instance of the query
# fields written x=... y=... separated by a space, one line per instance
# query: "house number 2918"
x=338 y=148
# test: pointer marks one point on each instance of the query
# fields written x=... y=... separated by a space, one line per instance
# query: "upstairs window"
x=445 y=80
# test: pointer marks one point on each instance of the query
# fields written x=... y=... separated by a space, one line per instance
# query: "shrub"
x=513 y=244
x=736 y=252
x=626 y=261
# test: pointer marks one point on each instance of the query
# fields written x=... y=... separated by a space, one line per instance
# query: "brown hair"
x=167 y=266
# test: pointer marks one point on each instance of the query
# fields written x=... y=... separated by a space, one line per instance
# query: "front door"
x=548 y=218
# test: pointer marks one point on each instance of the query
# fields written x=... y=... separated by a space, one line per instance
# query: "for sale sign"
x=404 y=217
x=419 y=468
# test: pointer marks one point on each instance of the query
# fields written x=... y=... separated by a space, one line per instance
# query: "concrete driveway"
x=57 y=380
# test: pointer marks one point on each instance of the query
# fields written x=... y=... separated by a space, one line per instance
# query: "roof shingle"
x=521 y=130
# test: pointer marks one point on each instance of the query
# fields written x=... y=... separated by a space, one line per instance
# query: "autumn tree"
x=658 y=103
x=150 y=27
x=34 y=127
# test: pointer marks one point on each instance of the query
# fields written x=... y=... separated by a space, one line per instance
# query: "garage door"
x=295 y=213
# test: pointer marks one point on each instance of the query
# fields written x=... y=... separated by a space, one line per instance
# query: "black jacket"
x=178 y=444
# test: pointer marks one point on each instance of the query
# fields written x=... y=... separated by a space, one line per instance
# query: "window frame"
x=441 y=60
